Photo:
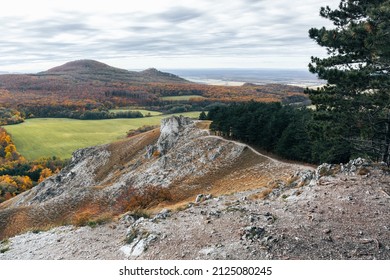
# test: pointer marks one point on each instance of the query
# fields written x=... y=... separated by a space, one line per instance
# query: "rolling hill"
x=92 y=70
x=83 y=73
x=82 y=82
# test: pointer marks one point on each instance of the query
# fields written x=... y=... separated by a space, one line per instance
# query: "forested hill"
x=84 y=83
x=88 y=84
x=84 y=73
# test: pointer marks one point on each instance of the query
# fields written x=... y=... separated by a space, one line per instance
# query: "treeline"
x=72 y=112
x=283 y=130
x=174 y=107
x=87 y=112
x=18 y=174
x=10 y=116
x=96 y=112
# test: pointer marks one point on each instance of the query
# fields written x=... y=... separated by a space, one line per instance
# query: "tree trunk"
x=386 y=150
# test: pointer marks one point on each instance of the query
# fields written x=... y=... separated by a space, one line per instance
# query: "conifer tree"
x=353 y=109
x=202 y=116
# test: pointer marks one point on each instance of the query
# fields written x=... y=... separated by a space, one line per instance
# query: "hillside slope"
x=83 y=73
x=94 y=70
x=208 y=198
x=170 y=165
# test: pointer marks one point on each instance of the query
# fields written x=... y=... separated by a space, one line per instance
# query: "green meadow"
x=47 y=137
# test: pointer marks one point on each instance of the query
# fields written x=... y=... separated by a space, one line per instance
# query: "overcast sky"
x=39 y=34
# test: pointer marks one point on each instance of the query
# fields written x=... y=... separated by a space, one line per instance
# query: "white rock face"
x=78 y=176
x=184 y=151
x=138 y=246
x=176 y=130
x=170 y=130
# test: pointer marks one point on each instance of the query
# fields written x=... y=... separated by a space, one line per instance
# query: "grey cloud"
x=140 y=28
x=251 y=28
x=49 y=28
x=179 y=14
x=254 y=1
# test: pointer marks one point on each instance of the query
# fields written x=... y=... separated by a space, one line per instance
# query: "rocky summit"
x=178 y=192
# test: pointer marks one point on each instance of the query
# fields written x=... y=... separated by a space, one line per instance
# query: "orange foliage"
x=149 y=197
x=45 y=173
x=10 y=186
x=11 y=162
x=32 y=90
x=8 y=152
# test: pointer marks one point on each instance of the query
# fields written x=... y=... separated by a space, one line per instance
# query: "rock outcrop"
x=101 y=181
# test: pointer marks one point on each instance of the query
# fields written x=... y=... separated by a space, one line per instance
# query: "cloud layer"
x=165 y=34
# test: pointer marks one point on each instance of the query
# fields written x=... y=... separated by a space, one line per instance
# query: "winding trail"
x=254 y=150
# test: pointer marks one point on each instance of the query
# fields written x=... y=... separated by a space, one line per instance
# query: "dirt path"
x=256 y=152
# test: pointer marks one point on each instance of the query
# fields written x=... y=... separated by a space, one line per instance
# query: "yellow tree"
x=46 y=172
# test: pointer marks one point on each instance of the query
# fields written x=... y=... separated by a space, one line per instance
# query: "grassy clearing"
x=181 y=98
x=142 y=111
x=46 y=137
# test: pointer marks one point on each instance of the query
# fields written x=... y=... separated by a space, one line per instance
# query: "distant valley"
x=256 y=76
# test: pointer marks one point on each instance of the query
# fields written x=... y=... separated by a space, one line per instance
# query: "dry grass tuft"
x=149 y=197
x=84 y=216
x=263 y=194
x=363 y=171
x=203 y=124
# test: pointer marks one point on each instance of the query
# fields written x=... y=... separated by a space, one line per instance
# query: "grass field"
x=181 y=98
x=37 y=138
x=142 y=111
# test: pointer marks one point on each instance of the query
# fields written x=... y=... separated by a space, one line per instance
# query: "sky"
x=36 y=35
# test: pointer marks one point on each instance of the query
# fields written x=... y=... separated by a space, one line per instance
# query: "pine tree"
x=202 y=116
x=353 y=109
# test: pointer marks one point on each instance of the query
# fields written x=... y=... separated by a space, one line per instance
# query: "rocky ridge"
x=256 y=208
x=100 y=181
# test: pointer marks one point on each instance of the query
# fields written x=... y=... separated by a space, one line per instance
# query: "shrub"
x=142 y=129
x=137 y=200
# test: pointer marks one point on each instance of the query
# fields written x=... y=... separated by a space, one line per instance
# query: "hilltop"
x=83 y=66
x=94 y=70
x=83 y=73
x=180 y=193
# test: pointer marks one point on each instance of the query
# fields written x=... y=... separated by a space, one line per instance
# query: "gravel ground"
x=339 y=217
